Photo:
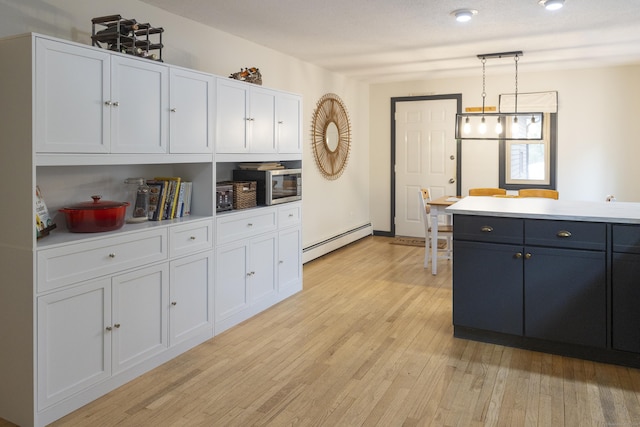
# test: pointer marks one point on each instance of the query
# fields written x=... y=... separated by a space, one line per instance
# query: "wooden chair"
x=445 y=231
x=538 y=192
x=487 y=192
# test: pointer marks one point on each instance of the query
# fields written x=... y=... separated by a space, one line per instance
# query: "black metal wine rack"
x=128 y=36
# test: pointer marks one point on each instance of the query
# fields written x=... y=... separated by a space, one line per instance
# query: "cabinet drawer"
x=626 y=238
x=289 y=215
x=488 y=229
x=81 y=261
x=566 y=234
x=190 y=238
x=234 y=226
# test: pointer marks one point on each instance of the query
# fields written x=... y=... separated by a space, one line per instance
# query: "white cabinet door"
x=74 y=345
x=72 y=85
x=139 y=301
x=139 y=106
x=262 y=118
x=261 y=275
x=289 y=117
x=191 y=296
x=231 y=280
x=289 y=259
x=232 y=117
x=191 y=106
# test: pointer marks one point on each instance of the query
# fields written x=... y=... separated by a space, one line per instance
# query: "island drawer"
x=488 y=229
x=566 y=234
x=626 y=238
x=76 y=262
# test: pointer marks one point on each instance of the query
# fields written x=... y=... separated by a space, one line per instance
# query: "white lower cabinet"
x=96 y=334
x=290 y=260
x=74 y=347
x=245 y=277
x=191 y=297
x=139 y=315
x=258 y=261
x=89 y=332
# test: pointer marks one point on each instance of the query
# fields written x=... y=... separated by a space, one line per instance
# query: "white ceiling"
x=397 y=40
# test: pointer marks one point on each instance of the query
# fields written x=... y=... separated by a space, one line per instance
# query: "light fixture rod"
x=500 y=55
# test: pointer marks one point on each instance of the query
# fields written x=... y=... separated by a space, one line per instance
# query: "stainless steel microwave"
x=273 y=186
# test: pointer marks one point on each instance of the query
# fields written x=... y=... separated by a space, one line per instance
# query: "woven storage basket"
x=244 y=194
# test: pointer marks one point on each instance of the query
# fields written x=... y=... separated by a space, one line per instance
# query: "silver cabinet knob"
x=117 y=325
x=192 y=238
x=116 y=104
x=174 y=303
x=173 y=110
x=107 y=103
x=112 y=255
x=108 y=328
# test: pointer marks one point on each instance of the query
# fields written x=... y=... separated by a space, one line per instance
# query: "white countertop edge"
x=538 y=208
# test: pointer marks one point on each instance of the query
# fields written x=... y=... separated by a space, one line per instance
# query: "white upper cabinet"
x=245 y=118
x=90 y=101
x=191 y=111
x=262 y=118
x=139 y=106
x=71 y=86
x=289 y=118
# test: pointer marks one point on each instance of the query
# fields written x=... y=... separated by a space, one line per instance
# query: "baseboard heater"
x=331 y=244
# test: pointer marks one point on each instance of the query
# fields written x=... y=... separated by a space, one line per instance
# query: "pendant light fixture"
x=511 y=125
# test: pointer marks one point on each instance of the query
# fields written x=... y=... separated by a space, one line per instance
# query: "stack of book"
x=169 y=197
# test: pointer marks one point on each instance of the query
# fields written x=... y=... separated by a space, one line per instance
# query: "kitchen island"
x=549 y=275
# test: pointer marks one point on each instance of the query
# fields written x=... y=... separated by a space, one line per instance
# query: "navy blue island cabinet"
x=561 y=286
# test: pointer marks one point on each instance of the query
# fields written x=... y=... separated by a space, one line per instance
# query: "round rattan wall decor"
x=331 y=136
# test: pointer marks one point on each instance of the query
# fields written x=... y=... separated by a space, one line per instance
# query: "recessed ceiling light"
x=551 y=4
x=464 y=15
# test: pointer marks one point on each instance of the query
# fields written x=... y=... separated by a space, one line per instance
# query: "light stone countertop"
x=538 y=208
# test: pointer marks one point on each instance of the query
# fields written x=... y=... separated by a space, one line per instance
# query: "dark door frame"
x=394 y=101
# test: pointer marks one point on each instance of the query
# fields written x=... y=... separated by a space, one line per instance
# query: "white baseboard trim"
x=315 y=251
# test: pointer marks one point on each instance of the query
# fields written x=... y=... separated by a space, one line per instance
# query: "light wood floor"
x=368 y=342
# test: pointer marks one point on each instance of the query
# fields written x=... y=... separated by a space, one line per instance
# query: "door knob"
x=451 y=181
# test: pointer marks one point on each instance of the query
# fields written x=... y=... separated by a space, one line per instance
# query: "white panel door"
x=139 y=303
x=191 y=296
x=72 y=86
x=74 y=345
x=139 y=106
x=191 y=107
x=425 y=157
x=232 y=116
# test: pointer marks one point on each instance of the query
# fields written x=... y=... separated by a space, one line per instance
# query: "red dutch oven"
x=96 y=216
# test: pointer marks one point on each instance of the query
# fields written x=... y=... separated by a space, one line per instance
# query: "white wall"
x=598 y=138
x=329 y=207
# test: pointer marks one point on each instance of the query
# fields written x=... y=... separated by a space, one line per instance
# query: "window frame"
x=552 y=148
